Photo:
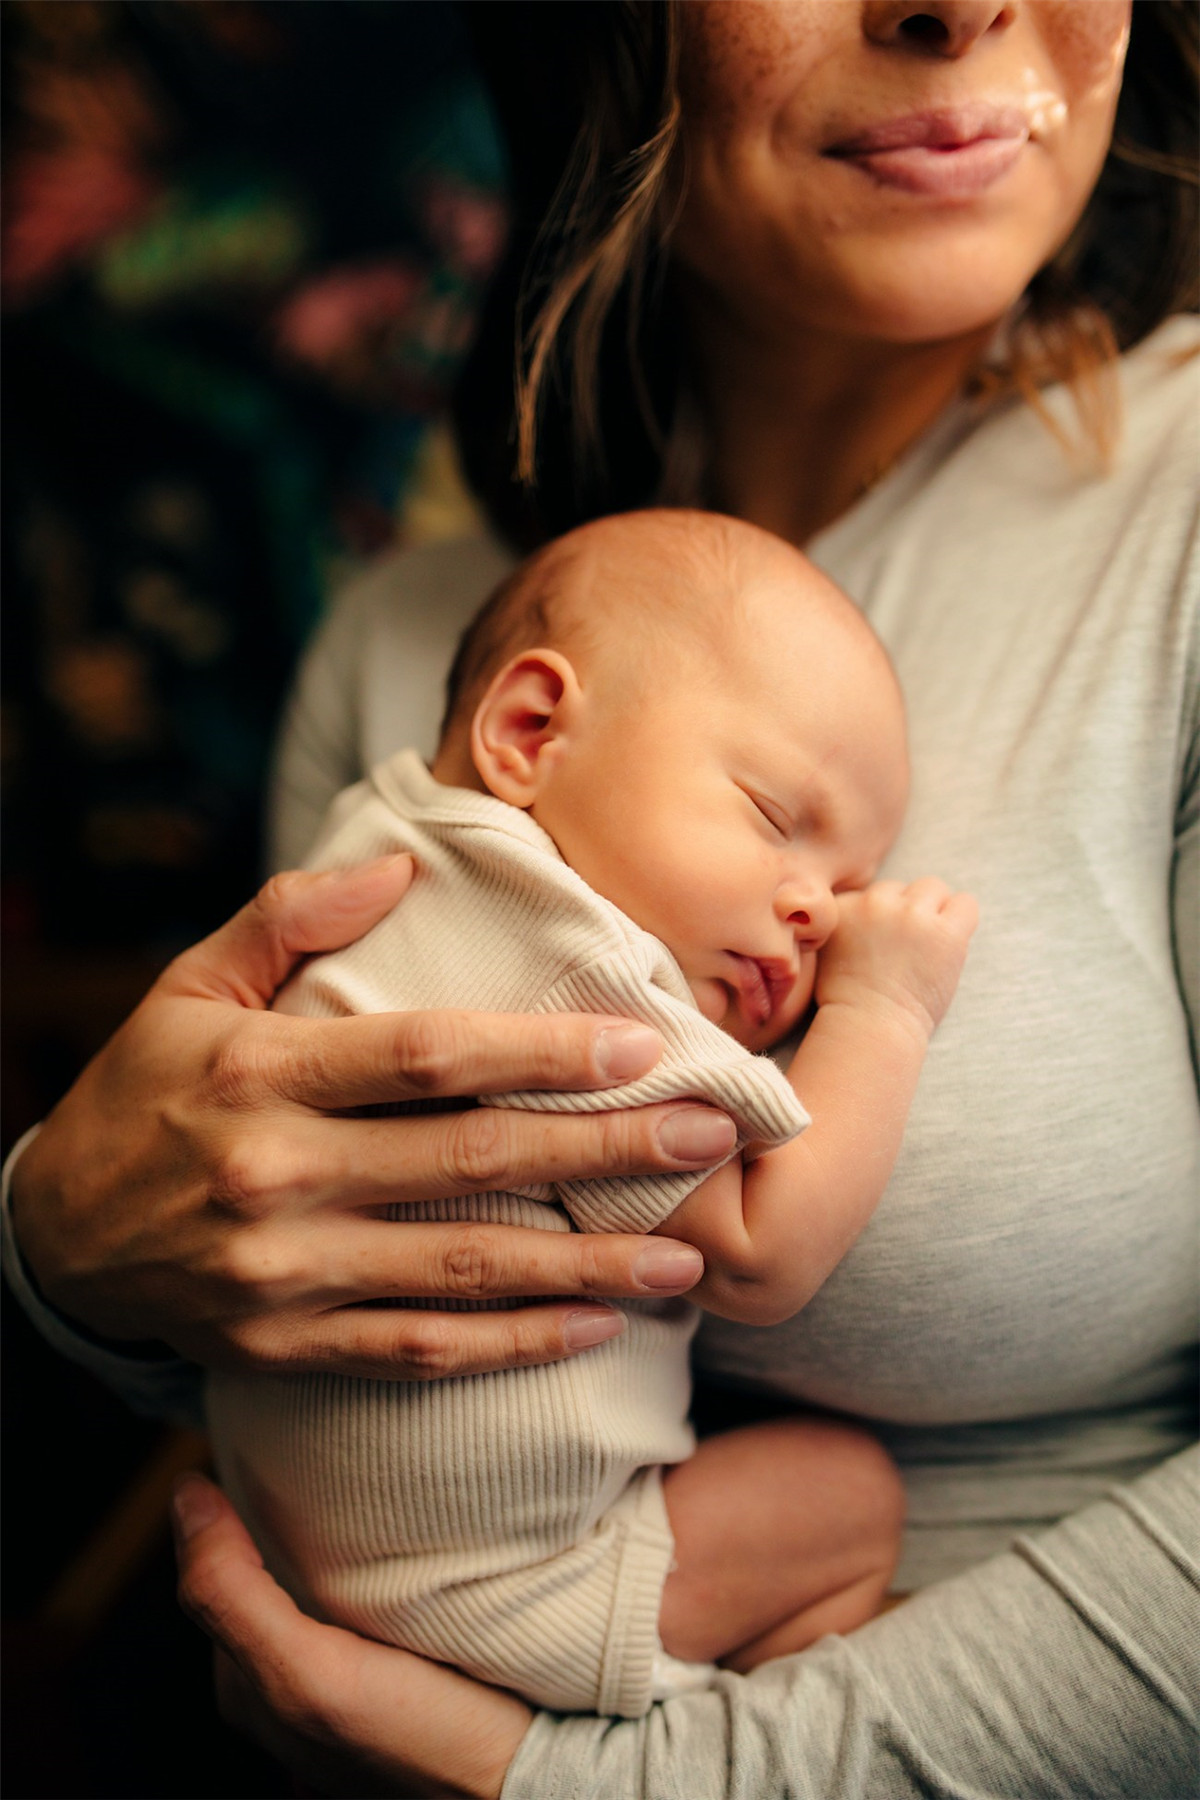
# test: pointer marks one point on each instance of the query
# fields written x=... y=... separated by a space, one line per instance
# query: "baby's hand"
x=898 y=945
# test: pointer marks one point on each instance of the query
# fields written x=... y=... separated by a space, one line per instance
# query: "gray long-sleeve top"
x=1019 y=1319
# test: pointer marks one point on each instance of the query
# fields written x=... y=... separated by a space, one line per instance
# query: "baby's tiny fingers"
x=929 y=894
x=962 y=912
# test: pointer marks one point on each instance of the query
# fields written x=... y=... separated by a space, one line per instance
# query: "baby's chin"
x=719 y=1005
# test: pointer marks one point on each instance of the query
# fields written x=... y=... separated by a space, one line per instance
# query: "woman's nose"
x=936 y=28
x=810 y=909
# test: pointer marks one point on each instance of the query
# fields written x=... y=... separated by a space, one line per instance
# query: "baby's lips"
x=764 y=984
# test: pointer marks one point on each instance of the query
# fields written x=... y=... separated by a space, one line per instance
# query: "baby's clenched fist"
x=898 y=945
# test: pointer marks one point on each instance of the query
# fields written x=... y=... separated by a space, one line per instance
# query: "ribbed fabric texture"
x=512 y=1524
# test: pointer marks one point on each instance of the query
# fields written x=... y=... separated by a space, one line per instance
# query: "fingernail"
x=668 y=1268
x=697 y=1135
x=626 y=1050
x=593 y=1325
x=194 y=1504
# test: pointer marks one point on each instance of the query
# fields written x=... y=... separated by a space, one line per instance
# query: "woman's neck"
x=798 y=430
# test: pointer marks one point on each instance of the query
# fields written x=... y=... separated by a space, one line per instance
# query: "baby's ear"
x=522 y=724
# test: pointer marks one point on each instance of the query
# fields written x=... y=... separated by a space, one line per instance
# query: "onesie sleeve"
x=1070 y=1665
x=699 y=1062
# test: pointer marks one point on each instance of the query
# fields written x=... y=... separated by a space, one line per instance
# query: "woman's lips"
x=949 y=154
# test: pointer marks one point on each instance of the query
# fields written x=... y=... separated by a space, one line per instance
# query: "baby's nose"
x=811 y=910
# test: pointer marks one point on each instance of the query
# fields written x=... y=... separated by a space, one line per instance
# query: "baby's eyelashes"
x=776 y=818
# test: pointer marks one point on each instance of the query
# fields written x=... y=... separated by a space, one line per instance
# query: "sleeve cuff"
x=157 y=1386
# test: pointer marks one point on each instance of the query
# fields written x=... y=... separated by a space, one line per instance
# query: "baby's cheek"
x=712 y=997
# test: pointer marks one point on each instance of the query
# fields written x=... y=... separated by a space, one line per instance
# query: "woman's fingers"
x=406 y=1344
x=300 y=1165
x=351 y=1716
x=368 y=1259
x=330 y=1327
x=296 y=914
x=377 y=1058
x=270 y=1655
x=481 y=1149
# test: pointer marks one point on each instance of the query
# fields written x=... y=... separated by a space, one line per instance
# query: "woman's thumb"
x=296 y=914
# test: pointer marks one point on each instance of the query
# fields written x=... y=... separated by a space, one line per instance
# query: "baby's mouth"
x=760 y=985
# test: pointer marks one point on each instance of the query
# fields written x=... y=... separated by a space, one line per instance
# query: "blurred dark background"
x=244 y=245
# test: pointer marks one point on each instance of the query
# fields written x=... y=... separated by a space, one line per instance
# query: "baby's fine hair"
x=547 y=600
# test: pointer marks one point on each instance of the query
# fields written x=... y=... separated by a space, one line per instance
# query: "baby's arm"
x=772 y=1229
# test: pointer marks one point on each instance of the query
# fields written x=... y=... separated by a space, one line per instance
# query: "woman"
x=856 y=197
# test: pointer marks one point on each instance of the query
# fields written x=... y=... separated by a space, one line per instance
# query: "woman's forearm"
x=1070 y=1666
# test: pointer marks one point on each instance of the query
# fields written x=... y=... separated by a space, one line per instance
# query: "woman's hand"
x=193 y=1187
x=346 y=1714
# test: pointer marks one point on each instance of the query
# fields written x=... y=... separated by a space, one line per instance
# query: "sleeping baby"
x=672 y=760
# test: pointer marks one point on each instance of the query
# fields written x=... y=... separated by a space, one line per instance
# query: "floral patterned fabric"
x=244 y=245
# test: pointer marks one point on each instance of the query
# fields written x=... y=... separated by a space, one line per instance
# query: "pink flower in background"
x=333 y=314
x=468 y=227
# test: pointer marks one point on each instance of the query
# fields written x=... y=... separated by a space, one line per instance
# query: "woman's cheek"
x=1070 y=84
x=1085 y=41
x=1084 y=44
x=741 y=58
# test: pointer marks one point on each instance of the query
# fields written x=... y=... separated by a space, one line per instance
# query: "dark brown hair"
x=587 y=97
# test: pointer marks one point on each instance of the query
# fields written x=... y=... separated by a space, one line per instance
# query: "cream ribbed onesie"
x=510 y=1523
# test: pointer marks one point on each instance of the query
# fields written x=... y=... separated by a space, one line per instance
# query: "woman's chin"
x=938 y=289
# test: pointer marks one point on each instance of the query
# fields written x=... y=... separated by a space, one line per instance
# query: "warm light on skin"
x=728 y=788
x=789 y=235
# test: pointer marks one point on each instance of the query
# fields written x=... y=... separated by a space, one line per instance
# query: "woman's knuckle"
x=235 y=1072
x=560 y=1048
x=243 y=1183
x=250 y=1265
x=429 y=1352
x=528 y=1340
x=202 y=1597
x=625 y=1138
x=428 y=1052
x=480 y=1149
x=266 y=1342
x=593 y=1258
x=468 y=1263
x=278 y=895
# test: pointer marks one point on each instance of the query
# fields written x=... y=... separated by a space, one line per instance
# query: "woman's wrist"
x=23 y=1276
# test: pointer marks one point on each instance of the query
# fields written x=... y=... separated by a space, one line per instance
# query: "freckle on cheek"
x=1087 y=42
x=731 y=51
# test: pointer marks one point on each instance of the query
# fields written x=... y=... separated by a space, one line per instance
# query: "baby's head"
x=707 y=728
